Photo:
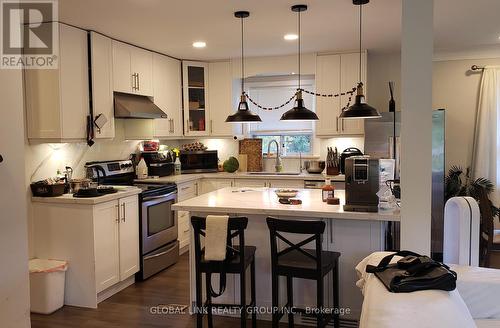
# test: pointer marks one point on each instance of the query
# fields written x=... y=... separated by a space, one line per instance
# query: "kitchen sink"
x=274 y=173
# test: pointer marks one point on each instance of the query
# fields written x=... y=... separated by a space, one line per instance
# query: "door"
x=107 y=266
x=13 y=202
x=196 y=115
x=349 y=78
x=167 y=91
x=101 y=50
x=122 y=76
x=219 y=96
x=129 y=236
x=142 y=66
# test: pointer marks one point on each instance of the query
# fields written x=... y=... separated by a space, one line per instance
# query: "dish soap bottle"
x=141 y=169
x=327 y=190
x=177 y=162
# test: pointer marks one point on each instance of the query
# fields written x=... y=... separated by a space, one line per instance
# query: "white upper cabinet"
x=167 y=91
x=349 y=78
x=327 y=82
x=101 y=51
x=334 y=74
x=220 y=102
x=57 y=100
x=195 y=90
x=132 y=69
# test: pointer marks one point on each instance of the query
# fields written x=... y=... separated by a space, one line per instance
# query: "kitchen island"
x=353 y=234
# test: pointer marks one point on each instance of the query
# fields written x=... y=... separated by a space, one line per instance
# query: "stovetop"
x=156 y=189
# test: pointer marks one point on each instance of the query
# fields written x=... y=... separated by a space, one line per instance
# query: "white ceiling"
x=329 y=25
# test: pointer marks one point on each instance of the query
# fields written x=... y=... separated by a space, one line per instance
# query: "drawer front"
x=187 y=190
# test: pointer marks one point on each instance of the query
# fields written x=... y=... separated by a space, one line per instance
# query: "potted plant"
x=459 y=183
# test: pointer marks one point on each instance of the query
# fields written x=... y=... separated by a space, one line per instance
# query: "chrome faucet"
x=279 y=165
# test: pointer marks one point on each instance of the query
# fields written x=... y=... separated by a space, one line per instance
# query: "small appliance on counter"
x=159 y=163
x=199 y=161
x=361 y=184
x=348 y=152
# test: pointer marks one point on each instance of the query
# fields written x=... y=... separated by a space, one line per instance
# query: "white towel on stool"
x=216 y=237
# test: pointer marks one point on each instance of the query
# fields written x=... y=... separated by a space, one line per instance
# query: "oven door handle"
x=159 y=254
x=157 y=197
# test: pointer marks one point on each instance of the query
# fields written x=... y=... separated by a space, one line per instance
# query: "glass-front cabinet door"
x=195 y=78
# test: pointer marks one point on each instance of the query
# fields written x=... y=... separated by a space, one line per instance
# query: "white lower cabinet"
x=250 y=183
x=208 y=185
x=296 y=184
x=116 y=240
x=100 y=243
x=185 y=191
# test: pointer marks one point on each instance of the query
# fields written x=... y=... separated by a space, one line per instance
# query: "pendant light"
x=299 y=112
x=360 y=109
x=243 y=114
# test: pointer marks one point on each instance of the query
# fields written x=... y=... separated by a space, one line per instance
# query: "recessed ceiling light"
x=290 y=37
x=199 y=44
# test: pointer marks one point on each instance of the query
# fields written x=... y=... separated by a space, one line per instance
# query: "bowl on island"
x=286 y=193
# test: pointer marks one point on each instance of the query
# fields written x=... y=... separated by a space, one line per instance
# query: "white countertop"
x=123 y=191
x=239 y=175
x=263 y=201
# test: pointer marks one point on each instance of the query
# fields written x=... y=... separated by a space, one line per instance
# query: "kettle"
x=348 y=152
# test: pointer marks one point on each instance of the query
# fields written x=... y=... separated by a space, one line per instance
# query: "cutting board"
x=253 y=149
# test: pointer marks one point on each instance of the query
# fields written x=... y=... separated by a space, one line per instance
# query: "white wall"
x=454 y=88
x=14 y=284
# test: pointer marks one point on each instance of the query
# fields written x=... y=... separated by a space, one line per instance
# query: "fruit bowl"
x=286 y=193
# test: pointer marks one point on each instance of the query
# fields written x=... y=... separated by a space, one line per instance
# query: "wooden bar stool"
x=294 y=261
x=239 y=258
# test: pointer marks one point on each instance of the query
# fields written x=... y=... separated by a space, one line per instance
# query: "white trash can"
x=47 y=285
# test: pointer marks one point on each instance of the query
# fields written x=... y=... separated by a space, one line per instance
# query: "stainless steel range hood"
x=135 y=106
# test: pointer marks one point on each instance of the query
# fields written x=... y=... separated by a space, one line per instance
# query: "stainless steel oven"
x=158 y=226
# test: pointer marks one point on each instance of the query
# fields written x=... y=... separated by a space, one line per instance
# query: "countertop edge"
x=361 y=216
x=86 y=201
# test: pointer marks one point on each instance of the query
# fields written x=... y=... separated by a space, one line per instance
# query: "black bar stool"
x=239 y=258
x=296 y=262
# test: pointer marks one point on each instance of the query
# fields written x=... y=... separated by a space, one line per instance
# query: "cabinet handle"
x=342 y=124
x=173 y=126
x=185 y=188
x=211 y=126
x=133 y=81
x=138 y=81
x=187 y=125
x=123 y=218
x=186 y=230
x=117 y=220
x=337 y=124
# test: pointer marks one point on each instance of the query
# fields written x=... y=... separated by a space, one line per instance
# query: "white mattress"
x=480 y=290
x=423 y=309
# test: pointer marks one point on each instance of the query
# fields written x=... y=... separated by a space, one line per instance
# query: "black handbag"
x=412 y=273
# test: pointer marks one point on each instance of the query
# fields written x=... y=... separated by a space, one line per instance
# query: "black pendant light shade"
x=360 y=109
x=299 y=112
x=243 y=113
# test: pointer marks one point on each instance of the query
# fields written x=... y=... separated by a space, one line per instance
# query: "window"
x=290 y=144
x=294 y=137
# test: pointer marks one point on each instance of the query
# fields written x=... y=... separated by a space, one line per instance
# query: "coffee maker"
x=362 y=182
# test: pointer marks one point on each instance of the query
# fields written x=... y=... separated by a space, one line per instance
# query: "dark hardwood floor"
x=131 y=307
